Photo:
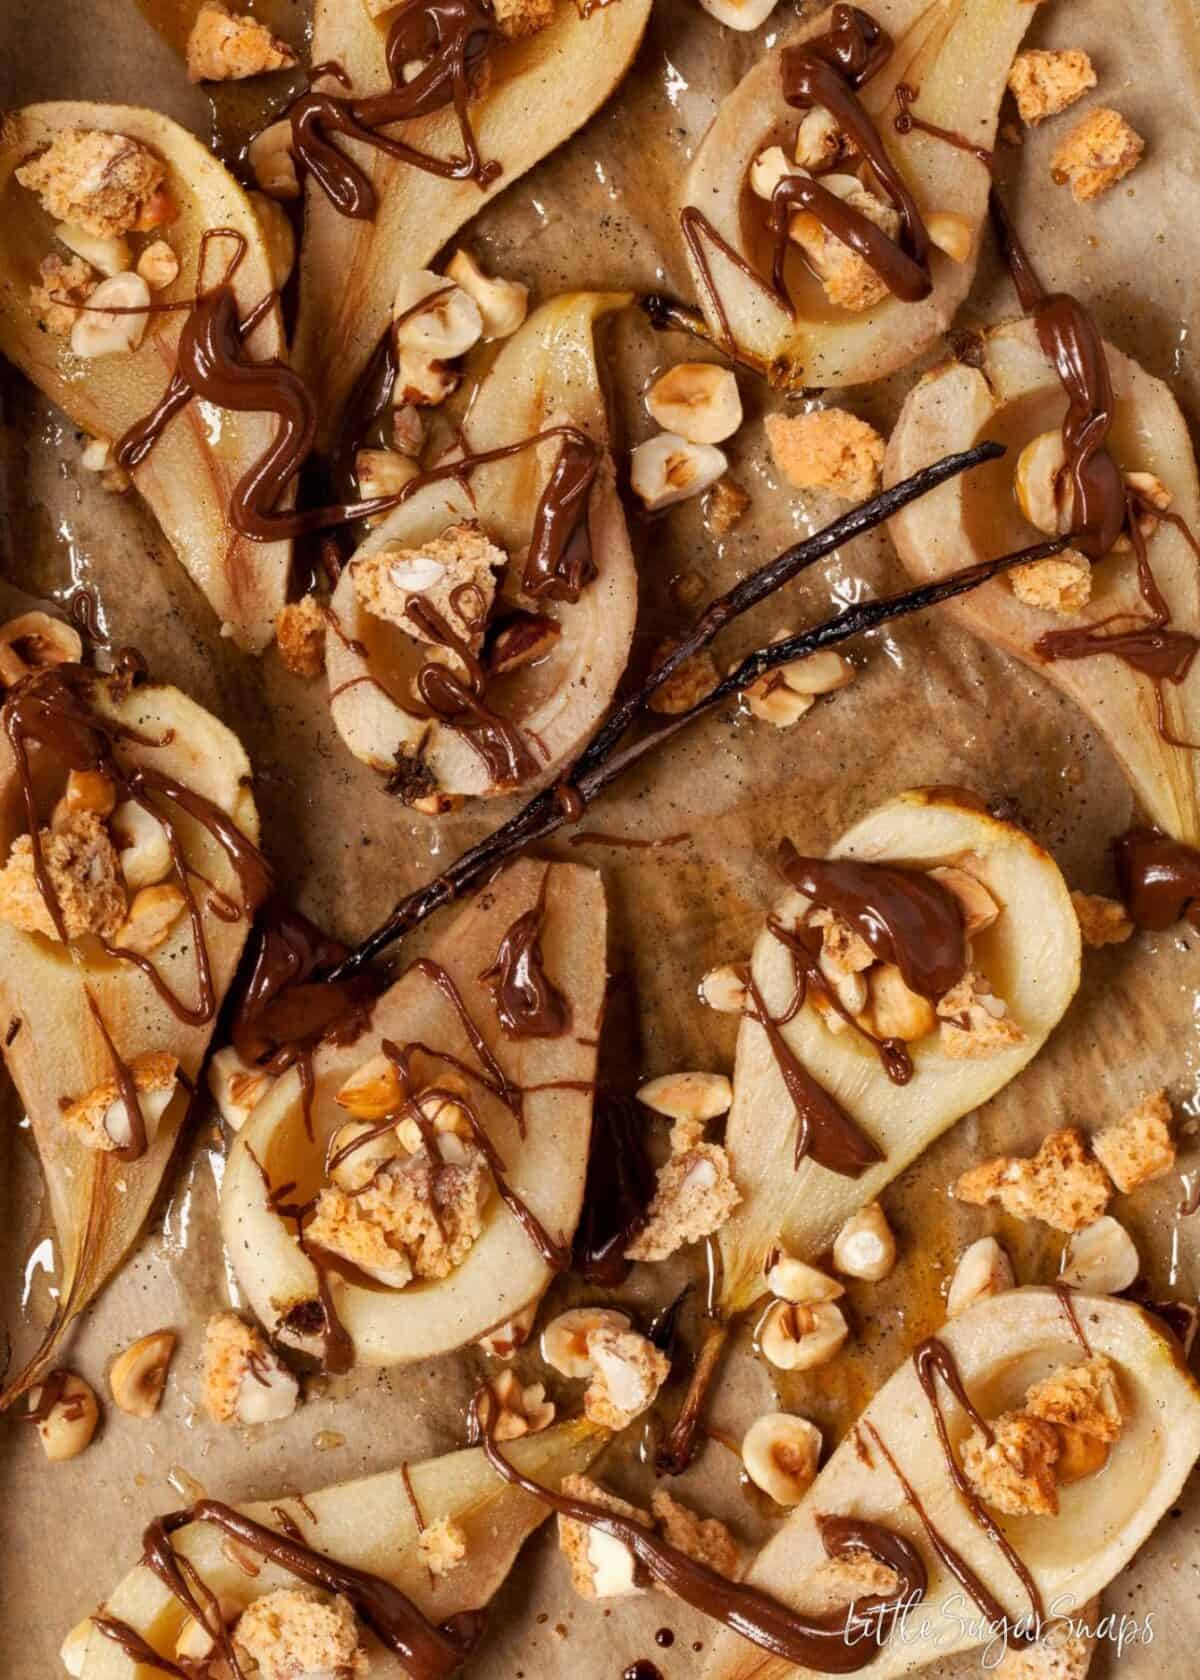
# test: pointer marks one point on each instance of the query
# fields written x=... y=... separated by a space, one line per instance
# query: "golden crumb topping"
x=104 y=183
x=827 y=450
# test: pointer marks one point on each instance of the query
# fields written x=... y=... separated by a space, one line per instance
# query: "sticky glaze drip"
x=528 y=1003
x=824 y=1643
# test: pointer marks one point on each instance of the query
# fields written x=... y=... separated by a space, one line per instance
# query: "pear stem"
x=601 y=763
x=678 y=1448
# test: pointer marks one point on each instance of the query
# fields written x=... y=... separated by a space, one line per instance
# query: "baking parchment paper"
x=931 y=705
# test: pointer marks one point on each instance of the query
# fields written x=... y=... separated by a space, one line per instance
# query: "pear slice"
x=958 y=54
x=504 y=1271
x=543 y=89
x=189 y=476
x=1014 y=395
x=98 y=1202
x=1000 y=1346
x=369 y=1524
x=545 y=376
x=1031 y=955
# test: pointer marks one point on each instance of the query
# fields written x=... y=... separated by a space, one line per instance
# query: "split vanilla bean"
x=601 y=762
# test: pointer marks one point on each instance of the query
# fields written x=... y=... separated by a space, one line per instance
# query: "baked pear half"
x=1020 y=1362
x=955 y=56
x=109 y=204
x=1011 y=392
x=157 y=910
x=1022 y=971
x=370 y=1524
x=467 y=542
x=541 y=89
x=459 y=1114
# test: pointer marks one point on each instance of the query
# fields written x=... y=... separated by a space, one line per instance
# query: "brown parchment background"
x=931 y=704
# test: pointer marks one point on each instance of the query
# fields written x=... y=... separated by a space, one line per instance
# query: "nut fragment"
x=153 y=912
x=33 y=640
x=520 y=1410
x=194 y=1643
x=979 y=908
x=502 y=304
x=424 y=382
x=100 y=331
x=90 y=790
x=601 y=1566
x=697 y=400
x=739 y=14
x=895 y=1010
x=229 y=46
x=983 y=1270
x=382 y=472
x=688 y=1096
x=158 y=266
x=433 y=317
x=101 y=1119
x=1062 y=1184
x=143 y=847
x=243 y=1379
x=372 y=1091
x=724 y=989
x=667 y=469
x=237 y=1088
x=71 y=1422
x=800 y=1337
x=949 y=233
x=565 y=1338
x=1101 y=1259
x=271 y=159
x=354 y=1171
x=506 y=1338
x=865 y=1247
x=138 y=1376
x=1102 y=921
x=526 y=638
x=1045 y=494
x=301 y=629
x=627 y=1373
x=768 y=169
x=110 y=254
x=780 y=1453
x=727 y=502
x=797 y=1281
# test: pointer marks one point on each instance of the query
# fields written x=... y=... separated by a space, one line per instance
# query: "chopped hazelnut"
x=1102 y=921
x=415 y=1218
x=524 y=639
x=601 y=1566
x=158 y=266
x=64 y=286
x=300 y=628
x=983 y=1270
x=865 y=1247
x=1062 y=584
x=138 y=1376
x=442 y=1545
x=70 y=1423
x=104 y=183
x=294 y=1633
x=153 y=912
x=237 y=1087
x=848 y=279
x=727 y=502
x=690 y=683
x=243 y=1380
x=1139 y=1147
x=100 y=1121
x=1100 y=150
x=827 y=450
x=627 y=1373
x=1045 y=83
x=1061 y=1185
x=518 y=18
x=693 y=1196
x=84 y=873
x=454 y=574
x=32 y=641
x=1015 y=1474
x=703 y=1539
x=1102 y=1259
x=506 y=1338
x=974 y=1021
x=227 y=46
x=799 y=1336
x=520 y=1410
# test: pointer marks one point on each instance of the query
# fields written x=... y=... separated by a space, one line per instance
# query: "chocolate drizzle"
x=528 y=1003
x=452 y=40
x=1159 y=878
x=830 y=1644
x=126 y=1087
x=804 y=947
x=933 y=1359
x=906 y=120
x=904 y=915
x=425 y=1651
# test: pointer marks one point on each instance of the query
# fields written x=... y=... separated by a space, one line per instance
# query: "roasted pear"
x=1030 y=956
x=956 y=55
x=1012 y=393
x=189 y=476
x=74 y=1011
x=545 y=376
x=541 y=1139
x=1001 y=1347
x=543 y=89
x=368 y=1524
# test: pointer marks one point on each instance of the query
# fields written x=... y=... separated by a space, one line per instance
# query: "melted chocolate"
x=826 y=1643
x=528 y=1003
x=804 y=946
x=135 y=1647
x=620 y=1183
x=53 y=1386
x=283 y=1009
x=904 y=915
x=906 y=120
x=1159 y=879
x=933 y=1359
x=126 y=1087
x=559 y=564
